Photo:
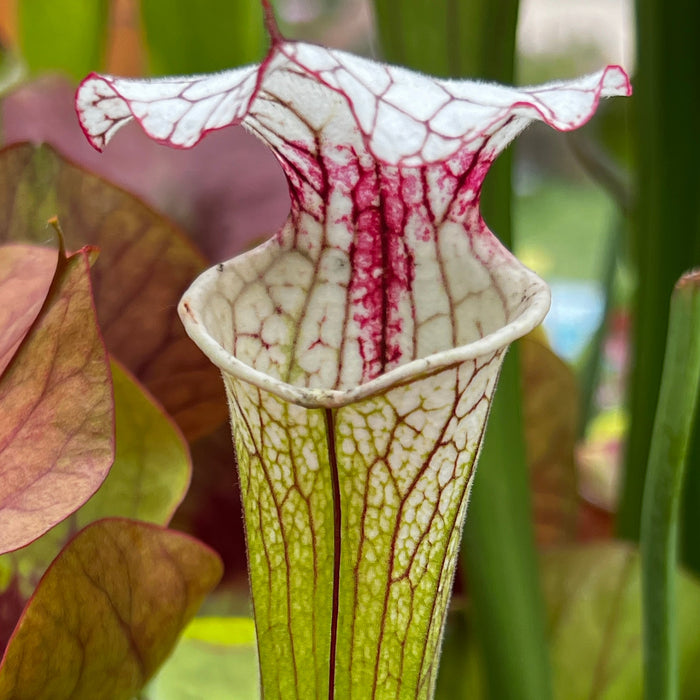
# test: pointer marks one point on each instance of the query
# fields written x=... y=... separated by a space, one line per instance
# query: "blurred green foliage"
x=663 y=486
x=64 y=35
x=182 y=36
x=666 y=232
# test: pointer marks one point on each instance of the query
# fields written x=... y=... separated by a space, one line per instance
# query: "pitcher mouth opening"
x=528 y=299
x=385 y=168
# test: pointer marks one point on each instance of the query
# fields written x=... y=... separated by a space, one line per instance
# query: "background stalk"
x=664 y=484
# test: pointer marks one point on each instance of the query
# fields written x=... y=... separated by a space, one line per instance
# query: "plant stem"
x=664 y=484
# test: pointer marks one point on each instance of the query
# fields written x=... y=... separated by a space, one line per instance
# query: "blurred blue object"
x=576 y=313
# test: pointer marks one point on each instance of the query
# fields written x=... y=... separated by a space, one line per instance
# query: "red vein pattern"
x=405 y=461
x=56 y=411
x=376 y=178
x=380 y=311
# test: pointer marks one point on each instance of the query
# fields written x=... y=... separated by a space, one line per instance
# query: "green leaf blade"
x=594 y=599
x=152 y=466
x=593 y=602
x=666 y=233
x=107 y=613
x=663 y=489
x=439 y=37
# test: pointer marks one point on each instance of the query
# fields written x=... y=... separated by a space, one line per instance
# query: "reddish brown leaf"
x=147 y=481
x=145 y=264
x=550 y=408
x=56 y=412
x=25 y=277
x=107 y=613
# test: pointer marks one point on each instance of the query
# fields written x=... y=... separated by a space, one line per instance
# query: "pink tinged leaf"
x=147 y=482
x=56 y=409
x=107 y=613
x=25 y=277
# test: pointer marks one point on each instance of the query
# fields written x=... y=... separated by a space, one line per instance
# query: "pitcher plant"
x=361 y=345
